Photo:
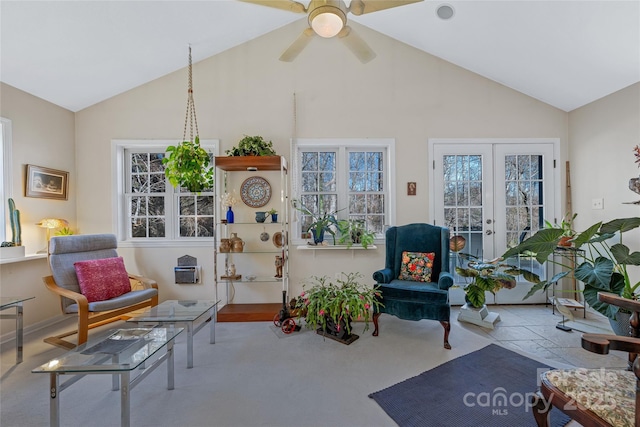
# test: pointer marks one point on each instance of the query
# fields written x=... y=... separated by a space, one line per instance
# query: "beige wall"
x=43 y=135
x=404 y=94
x=602 y=136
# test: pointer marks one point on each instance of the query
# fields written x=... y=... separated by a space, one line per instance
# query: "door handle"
x=488 y=232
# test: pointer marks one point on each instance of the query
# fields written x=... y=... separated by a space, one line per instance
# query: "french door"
x=494 y=193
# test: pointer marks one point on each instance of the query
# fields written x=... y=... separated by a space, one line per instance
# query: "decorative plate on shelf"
x=255 y=191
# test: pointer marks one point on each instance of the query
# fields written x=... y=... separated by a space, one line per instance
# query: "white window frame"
x=6 y=189
x=119 y=202
x=341 y=146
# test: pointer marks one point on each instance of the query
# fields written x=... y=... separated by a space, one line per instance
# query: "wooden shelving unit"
x=264 y=311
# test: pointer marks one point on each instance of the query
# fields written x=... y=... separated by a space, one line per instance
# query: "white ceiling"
x=77 y=53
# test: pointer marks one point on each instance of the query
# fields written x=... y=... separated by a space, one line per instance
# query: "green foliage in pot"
x=566 y=226
x=354 y=231
x=65 y=231
x=188 y=165
x=489 y=276
x=326 y=220
x=252 y=146
x=346 y=298
x=605 y=265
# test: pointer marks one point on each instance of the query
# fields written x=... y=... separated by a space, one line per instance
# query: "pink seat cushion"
x=102 y=279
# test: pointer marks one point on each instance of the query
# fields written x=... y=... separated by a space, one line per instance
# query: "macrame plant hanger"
x=190 y=116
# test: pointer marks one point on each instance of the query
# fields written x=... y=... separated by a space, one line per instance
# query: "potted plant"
x=274 y=214
x=65 y=231
x=489 y=276
x=320 y=223
x=252 y=146
x=188 y=165
x=331 y=306
x=354 y=231
x=605 y=265
x=566 y=225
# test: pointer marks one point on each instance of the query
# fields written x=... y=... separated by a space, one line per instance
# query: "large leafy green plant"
x=489 y=276
x=346 y=299
x=321 y=222
x=252 y=146
x=188 y=165
x=606 y=260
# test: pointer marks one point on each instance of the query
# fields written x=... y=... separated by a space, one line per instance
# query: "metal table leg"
x=54 y=401
x=170 y=384
x=189 y=344
x=125 y=399
x=19 y=336
x=212 y=326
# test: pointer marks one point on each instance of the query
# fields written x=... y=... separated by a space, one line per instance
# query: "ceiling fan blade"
x=356 y=44
x=297 y=46
x=360 y=7
x=291 y=6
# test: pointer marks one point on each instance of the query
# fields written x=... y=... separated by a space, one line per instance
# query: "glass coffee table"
x=15 y=302
x=187 y=312
x=117 y=352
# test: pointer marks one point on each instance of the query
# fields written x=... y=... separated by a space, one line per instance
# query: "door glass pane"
x=524 y=202
x=463 y=204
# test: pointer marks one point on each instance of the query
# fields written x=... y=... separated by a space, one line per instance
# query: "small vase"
x=229 y=216
x=274 y=217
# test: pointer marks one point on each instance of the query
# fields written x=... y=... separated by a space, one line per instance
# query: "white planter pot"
x=478 y=316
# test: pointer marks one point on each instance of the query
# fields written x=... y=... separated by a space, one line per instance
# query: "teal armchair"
x=412 y=299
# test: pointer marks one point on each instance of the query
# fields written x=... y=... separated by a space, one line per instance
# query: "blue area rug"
x=489 y=387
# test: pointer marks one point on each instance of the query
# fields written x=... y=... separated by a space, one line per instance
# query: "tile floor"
x=532 y=329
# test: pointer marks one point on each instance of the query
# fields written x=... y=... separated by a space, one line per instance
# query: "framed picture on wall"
x=46 y=183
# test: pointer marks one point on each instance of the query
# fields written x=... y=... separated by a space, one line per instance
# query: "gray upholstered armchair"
x=415 y=282
x=92 y=310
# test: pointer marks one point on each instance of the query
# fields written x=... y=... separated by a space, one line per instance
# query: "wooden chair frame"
x=88 y=320
x=600 y=344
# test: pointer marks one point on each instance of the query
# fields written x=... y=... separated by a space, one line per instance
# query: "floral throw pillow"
x=416 y=266
x=102 y=279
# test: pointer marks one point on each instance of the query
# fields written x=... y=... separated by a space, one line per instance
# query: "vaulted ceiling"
x=77 y=53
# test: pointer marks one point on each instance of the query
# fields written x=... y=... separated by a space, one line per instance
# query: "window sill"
x=335 y=248
x=29 y=257
x=208 y=243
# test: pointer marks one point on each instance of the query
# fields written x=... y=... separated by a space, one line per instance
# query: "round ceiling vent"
x=445 y=11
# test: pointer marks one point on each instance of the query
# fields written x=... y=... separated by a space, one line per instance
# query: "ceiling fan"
x=328 y=18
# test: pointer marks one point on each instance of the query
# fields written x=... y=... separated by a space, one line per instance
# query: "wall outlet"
x=597 y=203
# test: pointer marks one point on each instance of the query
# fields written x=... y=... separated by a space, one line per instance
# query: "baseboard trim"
x=11 y=336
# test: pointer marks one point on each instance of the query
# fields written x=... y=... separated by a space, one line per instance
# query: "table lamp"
x=50 y=224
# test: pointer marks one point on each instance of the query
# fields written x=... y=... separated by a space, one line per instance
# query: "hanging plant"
x=188 y=164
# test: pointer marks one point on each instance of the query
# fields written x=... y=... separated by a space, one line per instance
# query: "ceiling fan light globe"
x=327 y=21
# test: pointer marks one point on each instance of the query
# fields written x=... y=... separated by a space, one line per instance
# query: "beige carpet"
x=250 y=377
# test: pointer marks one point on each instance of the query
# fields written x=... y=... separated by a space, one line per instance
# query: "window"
x=348 y=176
x=5 y=173
x=149 y=209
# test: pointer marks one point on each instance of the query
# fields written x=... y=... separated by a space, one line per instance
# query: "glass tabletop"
x=8 y=301
x=176 y=311
x=113 y=351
